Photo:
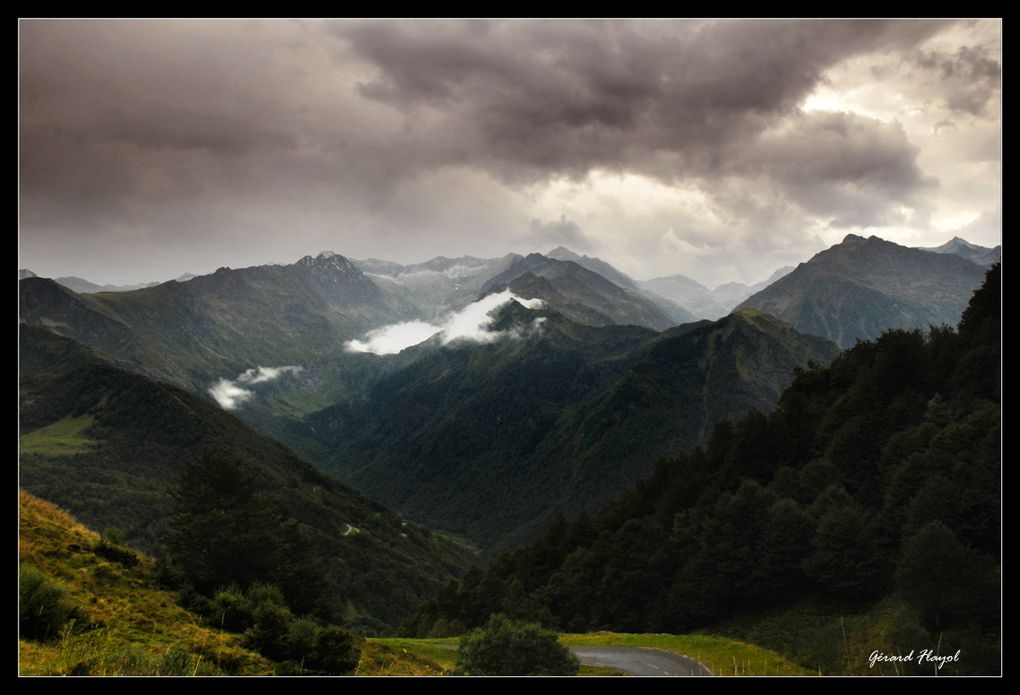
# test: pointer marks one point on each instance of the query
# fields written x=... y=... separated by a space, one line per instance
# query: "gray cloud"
x=670 y=99
x=151 y=148
x=561 y=232
x=969 y=77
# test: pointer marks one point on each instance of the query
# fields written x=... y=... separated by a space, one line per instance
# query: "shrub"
x=109 y=548
x=269 y=633
x=506 y=647
x=44 y=605
x=302 y=636
x=336 y=652
x=231 y=610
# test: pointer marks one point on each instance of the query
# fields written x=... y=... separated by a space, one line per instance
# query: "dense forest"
x=875 y=483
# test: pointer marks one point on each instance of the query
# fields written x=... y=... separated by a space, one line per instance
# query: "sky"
x=720 y=150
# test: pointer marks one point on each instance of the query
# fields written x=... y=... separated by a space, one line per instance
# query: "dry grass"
x=379 y=658
x=135 y=627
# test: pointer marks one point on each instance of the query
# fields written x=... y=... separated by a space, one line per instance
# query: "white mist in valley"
x=473 y=323
x=389 y=340
x=230 y=395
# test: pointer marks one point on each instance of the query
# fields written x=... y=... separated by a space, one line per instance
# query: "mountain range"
x=701 y=301
x=83 y=286
x=402 y=423
x=982 y=255
x=861 y=287
x=551 y=409
x=518 y=403
x=594 y=375
x=862 y=514
x=491 y=441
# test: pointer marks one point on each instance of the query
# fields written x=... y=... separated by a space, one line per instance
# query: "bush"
x=506 y=647
x=108 y=547
x=335 y=653
x=231 y=610
x=44 y=605
x=269 y=633
x=260 y=594
x=302 y=637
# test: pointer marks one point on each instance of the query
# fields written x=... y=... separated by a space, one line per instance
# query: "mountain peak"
x=862 y=287
x=325 y=259
x=958 y=241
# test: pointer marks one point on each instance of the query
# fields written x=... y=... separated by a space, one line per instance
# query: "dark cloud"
x=969 y=77
x=159 y=147
x=671 y=99
x=853 y=169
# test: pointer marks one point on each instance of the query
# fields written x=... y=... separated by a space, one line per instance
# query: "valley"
x=488 y=347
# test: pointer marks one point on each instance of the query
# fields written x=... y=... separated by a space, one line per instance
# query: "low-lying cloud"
x=389 y=340
x=231 y=396
x=259 y=375
x=473 y=324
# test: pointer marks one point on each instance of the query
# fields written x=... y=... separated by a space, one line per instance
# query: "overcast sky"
x=720 y=150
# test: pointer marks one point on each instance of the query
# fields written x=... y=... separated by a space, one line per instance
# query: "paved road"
x=640 y=661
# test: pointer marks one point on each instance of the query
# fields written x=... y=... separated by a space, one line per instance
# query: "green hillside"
x=220 y=324
x=492 y=441
x=108 y=444
x=862 y=514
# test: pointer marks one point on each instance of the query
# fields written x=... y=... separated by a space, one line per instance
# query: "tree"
x=221 y=530
x=949 y=583
x=847 y=558
x=506 y=647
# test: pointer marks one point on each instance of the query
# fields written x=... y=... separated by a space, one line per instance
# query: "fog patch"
x=473 y=324
x=230 y=395
x=389 y=340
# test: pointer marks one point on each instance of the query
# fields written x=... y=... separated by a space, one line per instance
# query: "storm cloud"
x=152 y=148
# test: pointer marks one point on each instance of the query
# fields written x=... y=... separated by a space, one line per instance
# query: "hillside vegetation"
x=492 y=441
x=109 y=445
x=870 y=494
x=124 y=623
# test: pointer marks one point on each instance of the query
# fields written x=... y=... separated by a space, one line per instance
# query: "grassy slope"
x=836 y=638
x=139 y=628
x=65 y=437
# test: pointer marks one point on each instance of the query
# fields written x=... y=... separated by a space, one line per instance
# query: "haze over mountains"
x=701 y=301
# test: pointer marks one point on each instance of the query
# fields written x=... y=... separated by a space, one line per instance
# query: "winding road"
x=640 y=661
